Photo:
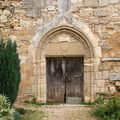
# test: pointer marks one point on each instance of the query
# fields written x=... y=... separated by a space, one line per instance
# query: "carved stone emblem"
x=64 y=43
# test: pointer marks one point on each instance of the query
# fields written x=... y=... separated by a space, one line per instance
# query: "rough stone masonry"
x=37 y=27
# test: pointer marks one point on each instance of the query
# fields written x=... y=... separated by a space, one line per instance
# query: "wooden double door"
x=65 y=79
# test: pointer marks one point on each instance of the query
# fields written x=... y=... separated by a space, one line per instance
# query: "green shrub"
x=9 y=69
x=109 y=110
x=33 y=115
x=17 y=115
x=21 y=110
x=6 y=112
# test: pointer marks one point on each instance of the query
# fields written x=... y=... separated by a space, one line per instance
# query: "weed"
x=109 y=109
x=33 y=115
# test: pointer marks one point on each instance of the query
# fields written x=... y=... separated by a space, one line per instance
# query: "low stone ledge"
x=111 y=59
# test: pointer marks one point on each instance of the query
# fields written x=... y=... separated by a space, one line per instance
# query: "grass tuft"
x=33 y=115
x=108 y=109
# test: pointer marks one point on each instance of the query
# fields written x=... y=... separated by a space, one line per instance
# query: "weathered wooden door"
x=65 y=80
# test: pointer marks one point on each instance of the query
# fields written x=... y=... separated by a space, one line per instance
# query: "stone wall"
x=21 y=20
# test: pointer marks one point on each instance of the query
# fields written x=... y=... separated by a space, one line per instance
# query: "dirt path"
x=64 y=112
x=67 y=113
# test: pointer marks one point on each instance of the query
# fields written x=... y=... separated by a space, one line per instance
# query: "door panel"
x=74 y=86
x=64 y=80
x=55 y=85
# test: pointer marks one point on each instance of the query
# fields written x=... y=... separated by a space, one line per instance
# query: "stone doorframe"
x=38 y=53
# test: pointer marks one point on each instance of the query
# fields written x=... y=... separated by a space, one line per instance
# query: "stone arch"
x=89 y=52
x=83 y=34
x=67 y=20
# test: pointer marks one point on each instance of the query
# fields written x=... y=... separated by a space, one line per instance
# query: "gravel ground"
x=67 y=113
x=63 y=112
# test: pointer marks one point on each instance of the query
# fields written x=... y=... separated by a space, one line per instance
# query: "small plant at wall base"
x=6 y=112
x=109 y=109
x=9 y=69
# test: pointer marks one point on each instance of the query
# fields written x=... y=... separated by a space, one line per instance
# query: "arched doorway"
x=70 y=45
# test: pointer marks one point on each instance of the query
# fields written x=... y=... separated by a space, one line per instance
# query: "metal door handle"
x=65 y=79
x=77 y=76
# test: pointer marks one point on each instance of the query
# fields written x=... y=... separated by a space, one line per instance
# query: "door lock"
x=65 y=78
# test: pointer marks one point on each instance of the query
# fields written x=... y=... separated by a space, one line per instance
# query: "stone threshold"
x=64 y=105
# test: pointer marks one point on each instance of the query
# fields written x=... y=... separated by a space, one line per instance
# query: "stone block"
x=87 y=76
x=3 y=19
x=63 y=5
x=88 y=60
x=23 y=76
x=63 y=49
x=0 y=4
x=116 y=69
x=80 y=1
x=74 y=1
x=98 y=75
x=117 y=83
x=43 y=90
x=87 y=68
x=91 y=3
x=6 y=13
x=39 y=3
x=106 y=65
x=35 y=70
x=87 y=99
x=73 y=100
x=104 y=20
x=43 y=80
x=103 y=35
x=28 y=90
x=99 y=89
x=103 y=2
x=1 y=12
x=23 y=59
x=114 y=1
x=26 y=87
x=111 y=90
x=43 y=71
x=100 y=83
x=34 y=89
x=94 y=20
x=5 y=4
x=51 y=8
x=86 y=12
x=87 y=90
x=27 y=4
x=64 y=38
x=33 y=13
x=105 y=75
x=101 y=12
x=98 y=28
x=27 y=69
x=118 y=64
x=114 y=76
x=24 y=23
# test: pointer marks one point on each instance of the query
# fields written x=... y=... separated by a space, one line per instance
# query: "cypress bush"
x=9 y=69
